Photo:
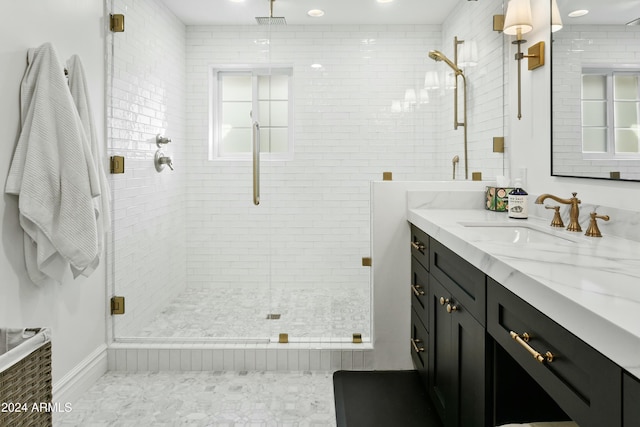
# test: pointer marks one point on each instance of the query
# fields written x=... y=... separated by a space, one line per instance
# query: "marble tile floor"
x=205 y=399
x=224 y=313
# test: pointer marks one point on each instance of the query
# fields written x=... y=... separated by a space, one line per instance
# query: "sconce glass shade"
x=468 y=56
x=518 y=17
x=556 y=19
x=431 y=80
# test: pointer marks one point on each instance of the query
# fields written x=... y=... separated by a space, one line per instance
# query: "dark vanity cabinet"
x=631 y=401
x=448 y=334
x=419 y=302
x=489 y=358
x=583 y=382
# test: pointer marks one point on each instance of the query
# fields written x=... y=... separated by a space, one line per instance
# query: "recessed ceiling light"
x=316 y=13
x=384 y=1
x=236 y=1
x=577 y=13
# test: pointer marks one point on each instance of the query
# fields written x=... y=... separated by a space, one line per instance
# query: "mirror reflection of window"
x=611 y=113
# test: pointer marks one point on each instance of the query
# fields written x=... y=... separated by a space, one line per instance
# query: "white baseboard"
x=73 y=385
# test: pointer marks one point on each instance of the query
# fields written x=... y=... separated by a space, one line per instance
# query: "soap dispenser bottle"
x=518 y=201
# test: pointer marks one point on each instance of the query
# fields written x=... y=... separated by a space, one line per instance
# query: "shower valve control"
x=162 y=140
x=160 y=161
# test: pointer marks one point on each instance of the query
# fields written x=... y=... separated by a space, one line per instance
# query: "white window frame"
x=609 y=72
x=215 y=108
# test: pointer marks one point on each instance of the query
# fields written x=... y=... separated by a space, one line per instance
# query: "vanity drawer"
x=420 y=246
x=420 y=290
x=466 y=283
x=584 y=383
x=419 y=343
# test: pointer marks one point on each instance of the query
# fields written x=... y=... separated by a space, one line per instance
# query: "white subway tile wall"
x=147 y=85
x=197 y=227
x=574 y=47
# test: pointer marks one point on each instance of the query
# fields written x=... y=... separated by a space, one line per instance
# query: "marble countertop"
x=591 y=286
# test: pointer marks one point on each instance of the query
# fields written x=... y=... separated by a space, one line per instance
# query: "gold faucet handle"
x=593 y=230
x=557 y=220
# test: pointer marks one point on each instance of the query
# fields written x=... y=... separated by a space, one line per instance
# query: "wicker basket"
x=26 y=382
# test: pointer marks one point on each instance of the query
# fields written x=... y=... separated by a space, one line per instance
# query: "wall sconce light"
x=516 y=23
x=556 y=19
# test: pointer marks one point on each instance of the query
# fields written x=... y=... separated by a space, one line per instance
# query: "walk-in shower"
x=195 y=257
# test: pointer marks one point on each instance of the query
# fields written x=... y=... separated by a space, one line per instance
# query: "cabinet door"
x=457 y=362
x=631 y=398
x=441 y=359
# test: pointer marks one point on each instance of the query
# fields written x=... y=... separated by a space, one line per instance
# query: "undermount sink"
x=525 y=233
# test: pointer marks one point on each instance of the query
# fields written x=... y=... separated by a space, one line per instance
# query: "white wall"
x=530 y=141
x=75 y=310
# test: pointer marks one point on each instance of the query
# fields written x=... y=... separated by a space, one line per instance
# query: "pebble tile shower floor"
x=223 y=313
x=205 y=399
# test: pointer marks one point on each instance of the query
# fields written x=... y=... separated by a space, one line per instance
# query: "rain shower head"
x=271 y=20
x=436 y=55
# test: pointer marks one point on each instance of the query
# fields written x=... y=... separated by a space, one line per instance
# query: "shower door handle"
x=256 y=163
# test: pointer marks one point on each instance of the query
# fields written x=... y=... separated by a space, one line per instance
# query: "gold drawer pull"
x=414 y=344
x=417 y=290
x=524 y=342
x=417 y=245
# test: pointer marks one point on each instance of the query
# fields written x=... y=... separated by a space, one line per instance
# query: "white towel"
x=53 y=174
x=80 y=95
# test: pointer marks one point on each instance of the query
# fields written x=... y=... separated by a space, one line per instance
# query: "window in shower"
x=610 y=113
x=240 y=96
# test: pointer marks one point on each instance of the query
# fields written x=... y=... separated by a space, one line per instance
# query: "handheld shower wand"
x=438 y=56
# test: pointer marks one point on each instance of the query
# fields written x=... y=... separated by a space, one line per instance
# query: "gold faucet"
x=574 y=225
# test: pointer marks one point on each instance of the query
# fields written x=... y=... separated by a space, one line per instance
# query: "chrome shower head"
x=436 y=55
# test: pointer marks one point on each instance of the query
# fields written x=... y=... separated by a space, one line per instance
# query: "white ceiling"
x=358 y=12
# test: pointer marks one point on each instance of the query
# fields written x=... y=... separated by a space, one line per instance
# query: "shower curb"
x=160 y=357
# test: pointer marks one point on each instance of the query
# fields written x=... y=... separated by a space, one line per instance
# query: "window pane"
x=265 y=141
x=626 y=114
x=594 y=87
x=236 y=141
x=273 y=87
x=279 y=140
x=265 y=116
x=625 y=87
x=626 y=141
x=594 y=113
x=280 y=87
x=236 y=88
x=594 y=140
x=236 y=114
x=279 y=113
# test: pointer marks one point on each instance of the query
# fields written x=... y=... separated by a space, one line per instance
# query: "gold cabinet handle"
x=418 y=245
x=524 y=342
x=444 y=300
x=451 y=308
x=417 y=290
x=416 y=348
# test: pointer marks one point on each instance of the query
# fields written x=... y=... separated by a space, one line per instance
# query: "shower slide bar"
x=256 y=163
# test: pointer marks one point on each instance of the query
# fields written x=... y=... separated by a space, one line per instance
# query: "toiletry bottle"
x=518 y=201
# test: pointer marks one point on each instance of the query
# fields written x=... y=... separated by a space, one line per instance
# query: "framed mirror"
x=595 y=89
